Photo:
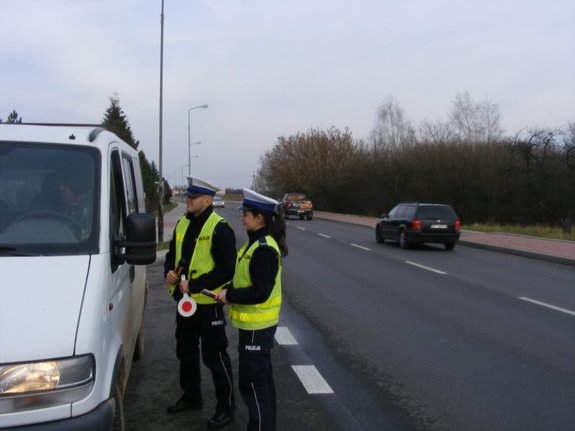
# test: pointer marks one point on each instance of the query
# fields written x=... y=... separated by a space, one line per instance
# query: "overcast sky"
x=270 y=68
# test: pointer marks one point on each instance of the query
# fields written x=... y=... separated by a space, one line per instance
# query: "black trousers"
x=256 y=380
x=208 y=325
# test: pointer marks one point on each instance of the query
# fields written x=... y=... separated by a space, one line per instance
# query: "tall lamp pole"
x=204 y=106
x=161 y=182
x=183 y=183
x=190 y=157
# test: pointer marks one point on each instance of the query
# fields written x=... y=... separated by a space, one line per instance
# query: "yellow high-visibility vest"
x=256 y=316
x=202 y=261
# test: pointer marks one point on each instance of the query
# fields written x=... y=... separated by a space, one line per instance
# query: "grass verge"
x=537 y=230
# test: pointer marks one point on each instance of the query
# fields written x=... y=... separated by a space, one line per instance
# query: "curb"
x=518 y=252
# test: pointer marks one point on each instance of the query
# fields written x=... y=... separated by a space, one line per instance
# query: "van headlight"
x=34 y=385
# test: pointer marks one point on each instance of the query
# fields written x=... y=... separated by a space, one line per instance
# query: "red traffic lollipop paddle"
x=187 y=306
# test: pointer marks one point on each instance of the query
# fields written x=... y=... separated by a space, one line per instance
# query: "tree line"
x=116 y=121
x=467 y=161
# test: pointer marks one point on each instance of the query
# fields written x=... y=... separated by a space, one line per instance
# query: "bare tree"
x=307 y=162
x=475 y=122
x=391 y=128
x=435 y=132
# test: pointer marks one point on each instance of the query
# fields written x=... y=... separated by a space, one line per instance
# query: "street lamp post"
x=161 y=182
x=204 y=106
x=191 y=157
x=187 y=166
x=190 y=164
x=183 y=183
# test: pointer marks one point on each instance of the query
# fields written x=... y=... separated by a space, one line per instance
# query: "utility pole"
x=161 y=182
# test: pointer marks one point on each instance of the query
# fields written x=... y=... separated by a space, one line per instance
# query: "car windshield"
x=436 y=212
x=48 y=201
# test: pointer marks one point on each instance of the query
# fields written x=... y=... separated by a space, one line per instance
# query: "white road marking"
x=312 y=380
x=543 y=304
x=359 y=246
x=284 y=336
x=301 y=228
x=324 y=235
x=426 y=267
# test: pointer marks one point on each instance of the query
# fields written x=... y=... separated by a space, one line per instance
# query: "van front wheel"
x=139 y=349
x=119 y=423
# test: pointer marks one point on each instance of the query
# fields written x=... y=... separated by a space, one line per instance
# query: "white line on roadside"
x=543 y=304
x=359 y=246
x=312 y=380
x=324 y=235
x=425 y=267
x=284 y=336
x=301 y=228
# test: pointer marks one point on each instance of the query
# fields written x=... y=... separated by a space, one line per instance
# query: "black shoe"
x=184 y=404
x=220 y=420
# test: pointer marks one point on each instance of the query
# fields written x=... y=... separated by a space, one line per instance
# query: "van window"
x=49 y=198
x=130 y=184
x=117 y=197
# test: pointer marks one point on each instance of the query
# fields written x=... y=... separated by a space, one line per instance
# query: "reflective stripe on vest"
x=202 y=260
x=256 y=316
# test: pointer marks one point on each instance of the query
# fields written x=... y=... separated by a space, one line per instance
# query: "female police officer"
x=254 y=300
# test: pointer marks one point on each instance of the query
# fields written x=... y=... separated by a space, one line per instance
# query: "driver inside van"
x=67 y=193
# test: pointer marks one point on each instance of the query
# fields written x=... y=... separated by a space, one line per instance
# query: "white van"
x=74 y=236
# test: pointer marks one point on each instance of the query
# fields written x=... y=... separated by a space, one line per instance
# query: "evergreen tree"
x=13 y=118
x=150 y=176
x=115 y=121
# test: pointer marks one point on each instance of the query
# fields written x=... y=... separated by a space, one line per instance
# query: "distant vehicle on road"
x=219 y=202
x=418 y=223
x=296 y=204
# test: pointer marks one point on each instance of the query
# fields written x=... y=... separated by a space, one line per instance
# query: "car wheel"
x=301 y=217
x=449 y=245
x=403 y=243
x=378 y=236
x=309 y=217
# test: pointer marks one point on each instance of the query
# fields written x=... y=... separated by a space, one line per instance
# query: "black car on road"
x=414 y=223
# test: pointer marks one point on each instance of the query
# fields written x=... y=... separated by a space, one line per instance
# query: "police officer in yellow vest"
x=254 y=300
x=207 y=244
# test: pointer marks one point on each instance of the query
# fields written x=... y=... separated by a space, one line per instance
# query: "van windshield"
x=48 y=199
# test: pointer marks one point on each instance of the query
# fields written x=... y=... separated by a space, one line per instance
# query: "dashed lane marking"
x=427 y=268
x=360 y=246
x=301 y=228
x=312 y=380
x=324 y=235
x=284 y=336
x=543 y=304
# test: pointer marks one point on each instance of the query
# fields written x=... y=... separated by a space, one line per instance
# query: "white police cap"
x=198 y=187
x=254 y=200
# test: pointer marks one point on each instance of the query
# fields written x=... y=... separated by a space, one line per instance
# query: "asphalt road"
x=405 y=339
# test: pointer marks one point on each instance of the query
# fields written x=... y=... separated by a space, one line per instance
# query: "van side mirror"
x=140 y=241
